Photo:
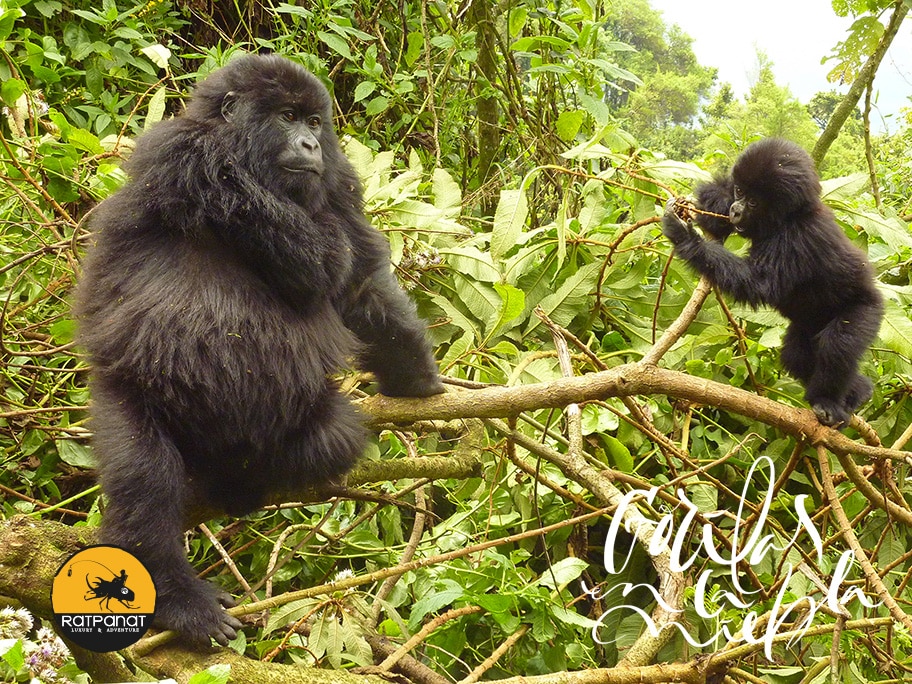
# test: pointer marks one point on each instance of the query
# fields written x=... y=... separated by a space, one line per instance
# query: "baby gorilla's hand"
x=676 y=222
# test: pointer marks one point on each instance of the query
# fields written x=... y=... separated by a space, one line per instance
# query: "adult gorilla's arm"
x=209 y=193
x=383 y=317
x=726 y=270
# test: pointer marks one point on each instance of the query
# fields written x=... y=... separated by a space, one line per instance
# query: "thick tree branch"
x=621 y=381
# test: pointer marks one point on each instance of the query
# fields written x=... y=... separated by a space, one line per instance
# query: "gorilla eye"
x=314 y=121
x=289 y=115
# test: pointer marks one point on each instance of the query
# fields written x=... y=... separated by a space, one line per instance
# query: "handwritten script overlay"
x=753 y=549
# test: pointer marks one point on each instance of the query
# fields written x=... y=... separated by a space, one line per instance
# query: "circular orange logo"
x=103 y=598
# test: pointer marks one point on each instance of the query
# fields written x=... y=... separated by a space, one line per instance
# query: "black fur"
x=221 y=291
x=799 y=262
x=717 y=198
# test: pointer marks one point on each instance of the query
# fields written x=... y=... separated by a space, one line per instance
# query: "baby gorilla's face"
x=743 y=210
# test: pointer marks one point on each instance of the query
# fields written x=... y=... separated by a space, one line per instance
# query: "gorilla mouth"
x=303 y=169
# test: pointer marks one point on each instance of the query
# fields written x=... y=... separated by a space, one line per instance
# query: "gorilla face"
x=301 y=152
x=280 y=127
x=743 y=210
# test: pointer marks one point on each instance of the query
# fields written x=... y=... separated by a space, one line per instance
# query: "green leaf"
x=84 y=140
x=157 y=54
x=12 y=654
x=91 y=16
x=7 y=20
x=570 y=299
x=364 y=89
x=517 y=20
x=76 y=454
x=434 y=601
x=63 y=330
x=512 y=304
x=326 y=638
x=336 y=43
x=563 y=572
x=413 y=49
x=471 y=262
x=11 y=90
x=509 y=220
x=376 y=106
x=446 y=191
x=571 y=617
x=704 y=496
x=618 y=454
x=896 y=329
x=569 y=123
x=156 y=108
x=214 y=674
x=458 y=349
x=290 y=612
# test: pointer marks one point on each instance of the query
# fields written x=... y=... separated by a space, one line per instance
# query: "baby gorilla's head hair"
x=779 y=176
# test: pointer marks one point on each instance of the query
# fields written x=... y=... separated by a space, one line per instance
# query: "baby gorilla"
x=799 y=262
x=228 y=280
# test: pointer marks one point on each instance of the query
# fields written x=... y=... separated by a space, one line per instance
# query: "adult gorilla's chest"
x=213 y=335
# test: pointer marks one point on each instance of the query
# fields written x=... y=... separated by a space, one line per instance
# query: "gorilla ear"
x=228 y=104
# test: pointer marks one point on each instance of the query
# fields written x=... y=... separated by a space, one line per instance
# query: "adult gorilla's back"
x=230 y=277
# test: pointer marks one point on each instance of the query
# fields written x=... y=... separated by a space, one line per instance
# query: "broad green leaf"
x=336 y=43
x=512 y=304
x=517 y=20
x=214 y=674
x=596 y=419
x=455 y=316
x=570 y=299
x=896 y=329
x=158 y=54
x=326 y=638
x=845 y=187
x=156 y=108
x=563 y=572
x=509 y=219
x=618 y=454
x=478 y=297
x=376 y=106
x=704 y=496
x=91 y=16
x=447 y=194
x=290 y=612
x=76 y=454
x=471 y=263
x=12 y=654
x=434 y=602
x=11 y=90
x=893 y=231
x=571 y=617
x=364 y=89
x=569 y=123
x=85 y=141
x=458 y=349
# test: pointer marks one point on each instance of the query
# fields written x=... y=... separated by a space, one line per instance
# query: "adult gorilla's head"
x=277 y=122
x=775 y=182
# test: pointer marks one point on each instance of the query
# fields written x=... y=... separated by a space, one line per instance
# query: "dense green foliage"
x=518 y=158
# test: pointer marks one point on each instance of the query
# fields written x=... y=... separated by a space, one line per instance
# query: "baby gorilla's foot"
x=197 y=611
x=831 y=413
x=861 y=390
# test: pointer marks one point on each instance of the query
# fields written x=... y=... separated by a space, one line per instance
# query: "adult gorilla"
x=228 y=279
